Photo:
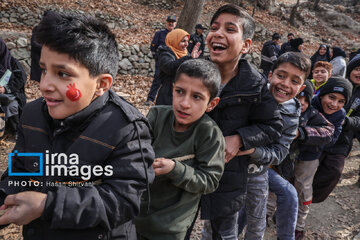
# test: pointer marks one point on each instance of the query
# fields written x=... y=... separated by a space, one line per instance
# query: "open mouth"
x=218 y=47
x=183 y=114
x=281 y=92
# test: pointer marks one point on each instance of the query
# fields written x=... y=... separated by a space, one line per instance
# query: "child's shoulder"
x=291 y=107
x=124 y=108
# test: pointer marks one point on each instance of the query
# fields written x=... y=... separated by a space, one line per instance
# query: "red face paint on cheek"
x=73 y=93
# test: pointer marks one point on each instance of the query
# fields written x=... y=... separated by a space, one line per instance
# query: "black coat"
x=269 y=55
x=246 y=108
x=168 y=64
x=17 y=82
x=351 y=127
x=107 y=132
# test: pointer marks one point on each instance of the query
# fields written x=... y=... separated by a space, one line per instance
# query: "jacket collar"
x=79 y=118
x=247 y=81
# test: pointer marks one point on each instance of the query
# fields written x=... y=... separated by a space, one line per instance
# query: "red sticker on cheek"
x=73 y=93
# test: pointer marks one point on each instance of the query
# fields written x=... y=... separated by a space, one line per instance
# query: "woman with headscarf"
x=12 y=94
x=171 y=56
x=338 y=62
x=322 y=54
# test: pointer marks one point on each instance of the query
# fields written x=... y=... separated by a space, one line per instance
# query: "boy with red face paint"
x=79 y=116
x=247 y=115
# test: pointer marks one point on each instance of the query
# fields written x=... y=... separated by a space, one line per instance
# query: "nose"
x=46 y=83
x=185 y=102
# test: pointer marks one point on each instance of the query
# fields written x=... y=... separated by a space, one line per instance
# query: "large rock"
x=125 y=64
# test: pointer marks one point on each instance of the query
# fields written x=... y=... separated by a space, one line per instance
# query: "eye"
x=43 y=70
x=63 y=74
x=295 y=82
x=230 y=30
x=214 y=28
x=179 y=91
x=197 y=97
x=281 y=76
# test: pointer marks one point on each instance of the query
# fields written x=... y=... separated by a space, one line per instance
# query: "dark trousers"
x=155 y=84
x=327 y=175
x=225 y=227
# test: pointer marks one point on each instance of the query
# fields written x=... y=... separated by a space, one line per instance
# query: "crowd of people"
x=225 y=142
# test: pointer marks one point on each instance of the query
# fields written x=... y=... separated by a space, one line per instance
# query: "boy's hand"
x=2 y=90
x=163 y=166
x=195 y=53
x=23 y=207
x=246 y=152
x=232 y=145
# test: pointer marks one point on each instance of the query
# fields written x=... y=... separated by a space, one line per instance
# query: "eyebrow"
x=198 y=93
x=296 y=76
x=59 y=66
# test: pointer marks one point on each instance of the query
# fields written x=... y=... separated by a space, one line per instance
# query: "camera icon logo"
x=19 y=155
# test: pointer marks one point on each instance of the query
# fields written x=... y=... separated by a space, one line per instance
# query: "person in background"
x=171 y=56
x=322 y=54
x=269 y=53
x=338 y=62
x=197 y=37
x=330 y=174
x=286 y=45
x=159 y=40
x=321 y=74
x=12 y=93
x=35 y=52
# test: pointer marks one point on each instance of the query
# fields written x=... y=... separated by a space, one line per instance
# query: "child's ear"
x=212 y=104
x=302 y=88
x=329 y=74
x=269 y=76
x=246 y=46
x=103 y=83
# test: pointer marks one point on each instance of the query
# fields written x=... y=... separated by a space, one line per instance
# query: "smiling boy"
x=247 y=115
x=335 y=94
x=321 y=73
x=189 y=151
x=286 y=81
x=78 y=115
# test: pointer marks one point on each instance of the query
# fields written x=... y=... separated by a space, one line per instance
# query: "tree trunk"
x=316 y=4
x=293 y=13
x=254 y=8
x=190 y=14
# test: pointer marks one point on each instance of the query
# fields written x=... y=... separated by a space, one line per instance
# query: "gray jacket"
x=276 y=152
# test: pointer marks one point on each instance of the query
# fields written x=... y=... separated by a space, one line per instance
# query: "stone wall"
x=134 y=60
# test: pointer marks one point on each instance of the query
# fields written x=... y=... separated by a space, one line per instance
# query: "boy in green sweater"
x=189 y=153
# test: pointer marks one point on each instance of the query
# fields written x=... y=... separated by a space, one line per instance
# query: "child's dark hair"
x=247 y=22
x=204 y=70
x=299 y=60
x=82 y=37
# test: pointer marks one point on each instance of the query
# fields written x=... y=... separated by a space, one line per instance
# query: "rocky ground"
x=336 y=218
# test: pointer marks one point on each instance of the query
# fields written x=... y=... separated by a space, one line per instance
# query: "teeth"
x=281 y=91
x=218 y=45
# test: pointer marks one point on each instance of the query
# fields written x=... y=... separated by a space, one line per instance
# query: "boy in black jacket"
x=247 y=115
x=96 y=148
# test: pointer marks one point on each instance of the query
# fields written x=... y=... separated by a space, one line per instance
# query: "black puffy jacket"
x=246 y=108
x=107 y=132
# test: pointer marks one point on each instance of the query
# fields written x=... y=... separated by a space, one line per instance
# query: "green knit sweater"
x=199 y=163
